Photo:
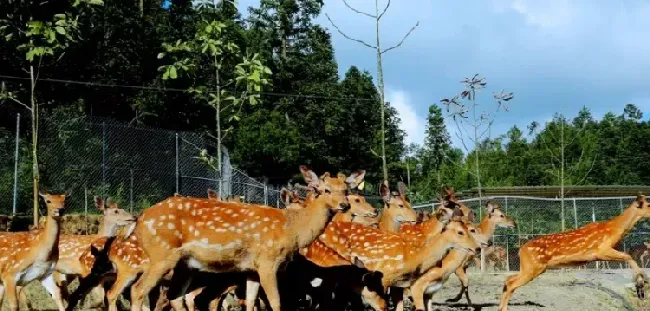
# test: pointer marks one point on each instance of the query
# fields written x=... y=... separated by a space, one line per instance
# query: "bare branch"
x=462 y=141
x=359 y=12
x=20 y=103
x=400 y=43
x=348 y=37
x=384 y=11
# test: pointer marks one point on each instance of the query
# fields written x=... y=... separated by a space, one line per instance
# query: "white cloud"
x=411 y=123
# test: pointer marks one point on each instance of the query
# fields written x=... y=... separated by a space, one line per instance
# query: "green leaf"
x=166 y=74
x=60 y=30
x=172 y=72
x=59 y=16
x=161 y=55
x=208 y=28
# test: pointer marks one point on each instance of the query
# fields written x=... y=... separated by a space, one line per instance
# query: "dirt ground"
x=587 y=290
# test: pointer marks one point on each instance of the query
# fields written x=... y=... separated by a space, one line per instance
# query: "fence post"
x=177 y=170
x=620 y=204
x=507 y=243
x=131 y=193
x=103 y=158
x=593 y=219
x=266 y=195
x=575 y=214
x=86 y=206
x=15 y=202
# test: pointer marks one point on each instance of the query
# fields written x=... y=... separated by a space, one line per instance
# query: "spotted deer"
x=72 y=246
x=592 y=242
x=457 y=262
x=30 y=256
x=398 y=257
x=494 y=255
x=127 y=259
x=219 y=236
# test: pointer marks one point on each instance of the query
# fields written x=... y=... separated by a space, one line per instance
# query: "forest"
x=165 y=66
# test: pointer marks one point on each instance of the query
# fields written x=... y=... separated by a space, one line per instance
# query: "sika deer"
x=456 y=262
x=218 y=236
x=399 y=257
x=29 y=256
x=592 y=242
x=72 y=246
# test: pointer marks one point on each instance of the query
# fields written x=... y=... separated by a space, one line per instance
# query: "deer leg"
x=527 y=274
x=10 y=291
x=639 y=275
x=462 y=276
x=190 y=297
x=22 y=298
x=252 y=291
x=123 y=280
x=269 y=282
x=417 y=292
x=50 y=284
x=151 y=277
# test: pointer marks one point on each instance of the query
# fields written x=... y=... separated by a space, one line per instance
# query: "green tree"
x=436 y=142
x=226 y=96
x=40 y=40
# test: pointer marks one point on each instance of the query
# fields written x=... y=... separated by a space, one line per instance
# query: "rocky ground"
x=586 y=290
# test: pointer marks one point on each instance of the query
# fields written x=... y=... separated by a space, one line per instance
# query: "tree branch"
x=359 y=12
x=348 y=37
x=384 y=11
x=20 y=103
x=400 y=43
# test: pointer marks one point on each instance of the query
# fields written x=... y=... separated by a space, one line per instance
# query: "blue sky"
x=555 y=55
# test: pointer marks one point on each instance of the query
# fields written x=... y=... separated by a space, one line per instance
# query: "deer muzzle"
x=344 y=207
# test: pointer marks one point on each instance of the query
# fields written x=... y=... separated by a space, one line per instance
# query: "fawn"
x=29 y=256
x=592 y=242
x=220 y=236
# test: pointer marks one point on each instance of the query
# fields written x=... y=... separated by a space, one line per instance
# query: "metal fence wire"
x=540 y=216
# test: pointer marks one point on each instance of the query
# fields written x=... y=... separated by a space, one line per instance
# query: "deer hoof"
x=640 y=290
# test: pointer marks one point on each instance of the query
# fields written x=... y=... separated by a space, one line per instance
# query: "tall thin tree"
x=377 y=16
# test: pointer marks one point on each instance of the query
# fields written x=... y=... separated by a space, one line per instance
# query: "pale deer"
x=29 y=256
x=592 y=242
x=219 y=236
x=457 y=262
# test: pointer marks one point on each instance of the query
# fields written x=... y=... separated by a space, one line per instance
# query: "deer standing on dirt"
x=592 y=242
x=396 y=256
x=220 y=236
x=30 y=256
x=72 y=246
x=457 y=262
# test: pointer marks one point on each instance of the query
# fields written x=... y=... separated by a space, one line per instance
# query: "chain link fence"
x=136 y=166
x=540 y=216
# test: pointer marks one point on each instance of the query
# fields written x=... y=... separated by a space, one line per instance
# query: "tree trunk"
x=35 y=171
x=218 y=81
x=380 y=85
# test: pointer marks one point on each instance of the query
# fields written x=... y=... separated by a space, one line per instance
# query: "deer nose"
x=489 y=243
x=344 y=206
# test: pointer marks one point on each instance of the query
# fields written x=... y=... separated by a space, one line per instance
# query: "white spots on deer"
x=149 y=223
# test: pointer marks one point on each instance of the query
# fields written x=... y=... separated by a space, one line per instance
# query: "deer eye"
x=328 y=191
x=117 y=212
x=472 y=231
x=461 y=233
x=502 y=216
x=401 y=205
x=48 y=201
x=357 y=200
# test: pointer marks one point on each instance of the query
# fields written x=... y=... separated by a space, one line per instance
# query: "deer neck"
x=387 y=222
x=107 y=230
x=309 y=222
x=626 y=220
x=49 y=237
x=346 y=217
x=487 y=227
x=431 y=228
x=429 y=255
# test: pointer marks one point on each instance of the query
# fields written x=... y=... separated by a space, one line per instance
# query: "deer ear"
x=284 y=196
x=310 y=177
x=42 y=193
x=110 y=202
x=384 y=192
x=94 y=251
x=99 y=203
x=471 y=216
x=640 y=197
x=401 y=189
x=212 y=194
x=356 y=179
x=490 y=207
x=358 y=263
x=327 y=174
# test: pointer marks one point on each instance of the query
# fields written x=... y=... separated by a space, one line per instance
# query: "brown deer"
x=494 y=255
x=220 y=236
x=457 y=262
x=30 y=256
x=72 y=246
x=398 y=257
x=592 y=242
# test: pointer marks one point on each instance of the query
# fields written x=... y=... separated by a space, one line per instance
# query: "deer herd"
x=330 y=251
